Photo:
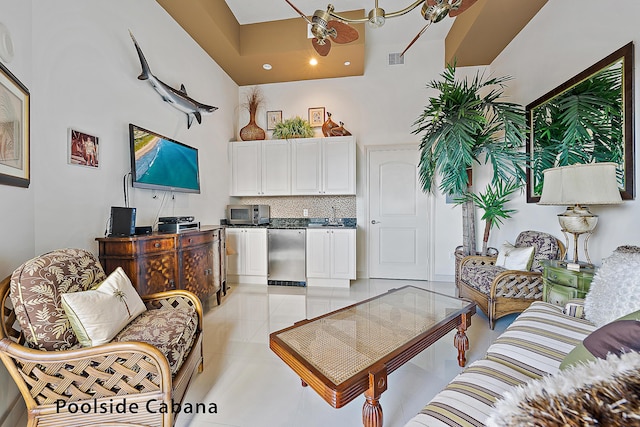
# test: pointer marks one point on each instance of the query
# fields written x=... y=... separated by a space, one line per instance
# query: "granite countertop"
x=292 y=223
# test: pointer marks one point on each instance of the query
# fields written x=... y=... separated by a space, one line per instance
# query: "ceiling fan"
x=324 y=27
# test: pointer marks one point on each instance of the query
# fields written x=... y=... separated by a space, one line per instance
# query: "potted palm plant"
x=492 y=201
x=465 y=123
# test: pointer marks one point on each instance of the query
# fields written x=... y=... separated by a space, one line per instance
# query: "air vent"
x=396 y=59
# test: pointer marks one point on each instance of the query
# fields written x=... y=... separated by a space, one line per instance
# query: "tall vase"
x=252 y=131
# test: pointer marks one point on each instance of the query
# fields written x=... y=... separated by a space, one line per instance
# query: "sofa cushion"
x=615 y=288
x=170 y=330
x=35 y=292
x=602 y=392
x=546 y=246
x=98 y=314
x=468 y=399
x=513 y=258
x=539 y=339
x=619 y=336
x=480 y=277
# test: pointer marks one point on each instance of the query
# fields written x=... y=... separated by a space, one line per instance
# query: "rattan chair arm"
x=138 y=364
x=508 y=280
x=170 y=298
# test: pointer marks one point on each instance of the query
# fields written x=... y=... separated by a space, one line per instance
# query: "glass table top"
x=346 y=341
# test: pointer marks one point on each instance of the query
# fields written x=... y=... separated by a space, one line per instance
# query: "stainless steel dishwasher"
x=287 y=256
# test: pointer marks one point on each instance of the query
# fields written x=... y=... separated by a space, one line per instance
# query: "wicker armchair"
x=498 y=291
x=81 y=386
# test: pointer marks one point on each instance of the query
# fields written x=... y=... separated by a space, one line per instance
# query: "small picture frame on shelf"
x=273 y=118
x=316 y=116
x=83 y=149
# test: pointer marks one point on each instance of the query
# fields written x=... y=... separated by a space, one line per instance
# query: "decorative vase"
x=328 y=125
x=252 y=132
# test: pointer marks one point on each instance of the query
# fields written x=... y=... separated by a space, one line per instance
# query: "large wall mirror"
x=587 y=119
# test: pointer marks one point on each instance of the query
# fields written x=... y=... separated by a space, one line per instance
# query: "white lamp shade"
x=581 y=184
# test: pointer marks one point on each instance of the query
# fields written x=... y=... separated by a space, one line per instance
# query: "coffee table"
x=351 y=351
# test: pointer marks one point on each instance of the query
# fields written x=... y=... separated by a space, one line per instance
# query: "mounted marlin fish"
x=177 y=98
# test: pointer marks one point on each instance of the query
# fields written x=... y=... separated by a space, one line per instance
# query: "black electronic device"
x=177 y=227
x=146 y=229
x=175 y=219
x=123 y=222
x=161 y=163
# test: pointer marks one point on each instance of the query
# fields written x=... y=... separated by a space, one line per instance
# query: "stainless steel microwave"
x=248 y=214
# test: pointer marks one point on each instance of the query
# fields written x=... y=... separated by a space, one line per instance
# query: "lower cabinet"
x=247 y=258
x=331 y=257
x=193 y=260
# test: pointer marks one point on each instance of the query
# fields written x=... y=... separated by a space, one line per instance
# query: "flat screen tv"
x=160 y=163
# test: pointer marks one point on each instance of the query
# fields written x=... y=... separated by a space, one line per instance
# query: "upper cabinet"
x=309 y=166
x=261 y=168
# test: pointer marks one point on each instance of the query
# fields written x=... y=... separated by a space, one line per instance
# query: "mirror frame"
x=626 y=55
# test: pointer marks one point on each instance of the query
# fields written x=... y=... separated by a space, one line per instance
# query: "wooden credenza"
x=192 y=260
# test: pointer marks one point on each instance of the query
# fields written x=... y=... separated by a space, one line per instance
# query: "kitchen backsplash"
x=293 y=206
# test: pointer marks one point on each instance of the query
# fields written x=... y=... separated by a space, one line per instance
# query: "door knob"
x=373 y=221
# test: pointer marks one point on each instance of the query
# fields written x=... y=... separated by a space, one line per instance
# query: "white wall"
x=85 y=75
x=563 y=39
x=81 y=67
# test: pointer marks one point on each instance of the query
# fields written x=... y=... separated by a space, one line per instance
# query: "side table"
x=562 y=284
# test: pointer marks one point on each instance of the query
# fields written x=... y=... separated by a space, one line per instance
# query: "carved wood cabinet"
x=192 y=260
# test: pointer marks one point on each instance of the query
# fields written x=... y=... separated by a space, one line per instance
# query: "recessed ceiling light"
x=267 y=66
x=313 y=61
x=347 y=63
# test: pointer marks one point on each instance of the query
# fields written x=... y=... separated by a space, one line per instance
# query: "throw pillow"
x=601 y=392
x=97 y=315
x=619 y=336
x=615 y=289
x=513 y=258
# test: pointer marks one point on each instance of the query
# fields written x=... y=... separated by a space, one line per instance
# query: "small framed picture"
x=273 y=118
x=83 y=149
x=316 y=116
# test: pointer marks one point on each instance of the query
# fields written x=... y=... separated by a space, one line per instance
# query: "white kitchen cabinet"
x=331 y=257
x=261 y=168
x=247 y=255
x=323 y=166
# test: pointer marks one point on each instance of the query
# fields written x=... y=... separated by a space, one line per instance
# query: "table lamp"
x=577 y=186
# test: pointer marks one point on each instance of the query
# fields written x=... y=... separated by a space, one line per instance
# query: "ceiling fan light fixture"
x=436 y=12
x=376 y=17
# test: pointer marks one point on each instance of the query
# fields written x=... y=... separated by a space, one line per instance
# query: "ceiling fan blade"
x=466 y=4
x=415 y=38
x=299 y=12
x=322 y=49
x=344 y=33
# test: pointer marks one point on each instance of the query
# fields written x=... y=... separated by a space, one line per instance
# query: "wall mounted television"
x=160 y=163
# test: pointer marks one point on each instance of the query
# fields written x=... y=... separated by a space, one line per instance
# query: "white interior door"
x=398 y=217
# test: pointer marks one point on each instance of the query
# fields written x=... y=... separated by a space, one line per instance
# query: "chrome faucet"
x=333 y=220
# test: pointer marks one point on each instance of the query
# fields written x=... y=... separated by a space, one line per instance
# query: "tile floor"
x=252 y=387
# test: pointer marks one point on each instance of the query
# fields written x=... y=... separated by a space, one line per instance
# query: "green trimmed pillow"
x=620 y=336
x=514 y=258
x=97 y=315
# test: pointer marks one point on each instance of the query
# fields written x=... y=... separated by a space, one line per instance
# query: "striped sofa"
x=533 y=345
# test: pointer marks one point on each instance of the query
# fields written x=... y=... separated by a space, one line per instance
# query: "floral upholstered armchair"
x=500 y=290
x=146 y=365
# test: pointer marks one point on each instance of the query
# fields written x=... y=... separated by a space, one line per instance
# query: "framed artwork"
x=316 y=116
x=273 y=118
x=587 y=119
x=14 y=130
x=83 y=149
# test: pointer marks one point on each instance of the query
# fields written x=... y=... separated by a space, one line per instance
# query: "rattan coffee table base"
x=350 y=351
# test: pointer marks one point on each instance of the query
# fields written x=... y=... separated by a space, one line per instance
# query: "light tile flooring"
x=252 y=387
